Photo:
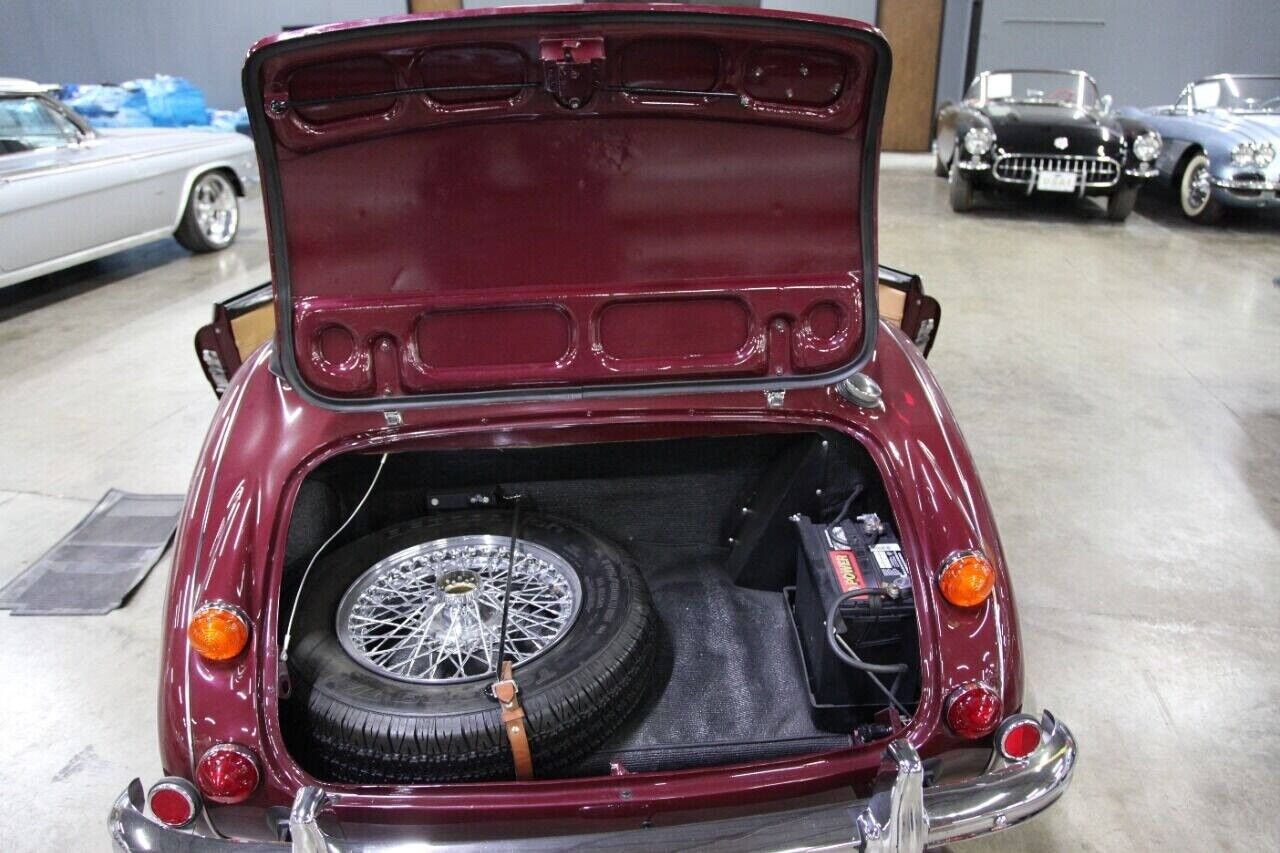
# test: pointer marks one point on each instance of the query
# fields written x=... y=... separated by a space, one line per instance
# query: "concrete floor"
x=1118 y=386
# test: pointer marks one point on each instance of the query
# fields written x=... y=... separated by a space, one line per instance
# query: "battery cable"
x=293 y=611
x=842 y=650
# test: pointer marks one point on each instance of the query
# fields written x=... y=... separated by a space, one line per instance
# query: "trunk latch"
x=571 y=69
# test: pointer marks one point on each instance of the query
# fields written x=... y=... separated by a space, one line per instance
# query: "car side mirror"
x=1106 y=104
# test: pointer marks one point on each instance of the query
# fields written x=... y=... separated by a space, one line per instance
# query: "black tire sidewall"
x=611 y=589
x=960 y=189
x=1121 y=203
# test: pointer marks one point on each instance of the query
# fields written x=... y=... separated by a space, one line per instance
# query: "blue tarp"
x=160 y=101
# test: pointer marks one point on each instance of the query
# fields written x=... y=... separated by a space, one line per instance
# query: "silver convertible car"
x=1220 y=141
x=70 y=194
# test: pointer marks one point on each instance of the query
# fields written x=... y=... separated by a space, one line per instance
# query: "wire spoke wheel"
x=397 y=634
x=1198 y=188
x=1196 y=191
x=432 y=613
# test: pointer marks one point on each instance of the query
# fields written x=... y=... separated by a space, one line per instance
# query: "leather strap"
x=513 y=722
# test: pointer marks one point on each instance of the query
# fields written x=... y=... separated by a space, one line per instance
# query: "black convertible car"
x=1042 y=131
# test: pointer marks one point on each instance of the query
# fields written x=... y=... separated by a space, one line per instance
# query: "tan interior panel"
x=253 y=327
x=893 y=304
x=434 y=5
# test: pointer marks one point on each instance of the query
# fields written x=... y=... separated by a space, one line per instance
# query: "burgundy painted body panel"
x=265 y=439
x=692 y=201
x=610 y=285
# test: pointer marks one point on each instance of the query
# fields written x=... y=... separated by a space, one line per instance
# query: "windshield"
x=1238 y=94
x=27 y=123
x=1064 y=88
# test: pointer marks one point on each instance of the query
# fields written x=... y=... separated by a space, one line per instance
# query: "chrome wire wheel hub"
x=431 y=614
x=217 y=213
x=1198 y=188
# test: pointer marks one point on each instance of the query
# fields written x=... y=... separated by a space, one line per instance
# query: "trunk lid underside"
x=515 y=205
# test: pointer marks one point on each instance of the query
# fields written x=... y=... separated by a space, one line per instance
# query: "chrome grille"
x=1090 y=171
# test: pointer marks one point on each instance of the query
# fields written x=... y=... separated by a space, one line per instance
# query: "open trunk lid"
x=569 y=201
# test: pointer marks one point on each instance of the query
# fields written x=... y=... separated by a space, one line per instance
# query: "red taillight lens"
x=227 y=773
x=973 y=711
x=1019 y=737
x=174 y=802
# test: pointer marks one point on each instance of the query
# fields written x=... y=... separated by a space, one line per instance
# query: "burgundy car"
x=583 y=496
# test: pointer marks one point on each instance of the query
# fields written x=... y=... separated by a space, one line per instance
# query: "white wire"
x=293 y=612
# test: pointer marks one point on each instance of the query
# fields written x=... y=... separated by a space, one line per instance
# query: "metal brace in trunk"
x=505 y=690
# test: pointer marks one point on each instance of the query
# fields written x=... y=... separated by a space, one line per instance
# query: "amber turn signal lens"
x=218 y=631
x=966 y=579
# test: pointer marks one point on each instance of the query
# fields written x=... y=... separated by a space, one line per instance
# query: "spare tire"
x=395 y=644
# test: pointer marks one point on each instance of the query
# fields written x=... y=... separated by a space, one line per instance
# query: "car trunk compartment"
x=707 y=521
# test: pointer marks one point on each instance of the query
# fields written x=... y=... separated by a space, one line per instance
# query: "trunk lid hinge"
x=571 y=69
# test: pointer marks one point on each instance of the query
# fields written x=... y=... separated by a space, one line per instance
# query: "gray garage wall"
x=1140 y=52
x=954 y=49
x=861 y=10
x=60 y=41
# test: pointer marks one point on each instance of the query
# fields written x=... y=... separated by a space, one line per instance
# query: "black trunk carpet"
x=731 y=685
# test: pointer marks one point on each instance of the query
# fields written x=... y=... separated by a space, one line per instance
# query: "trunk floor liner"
x=731 y=685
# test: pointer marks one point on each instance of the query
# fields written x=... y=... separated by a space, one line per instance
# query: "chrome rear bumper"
x=902 y=815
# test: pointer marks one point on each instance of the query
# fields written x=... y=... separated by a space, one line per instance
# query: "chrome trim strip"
x=131 y=156
x=1142 y=172
x=1237 y=184
x=901 y=815
x=223 y=604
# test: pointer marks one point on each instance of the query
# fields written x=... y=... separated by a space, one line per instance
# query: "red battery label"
x=848 y=572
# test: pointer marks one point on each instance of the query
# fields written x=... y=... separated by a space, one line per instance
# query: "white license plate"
x=1056 y=182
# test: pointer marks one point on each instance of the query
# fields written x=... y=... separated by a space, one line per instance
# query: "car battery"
x=835 y=559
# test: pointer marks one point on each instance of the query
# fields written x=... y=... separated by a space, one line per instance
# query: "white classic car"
x=70 y=194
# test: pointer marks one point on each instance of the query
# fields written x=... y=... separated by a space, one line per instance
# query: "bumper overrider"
x=900 y=815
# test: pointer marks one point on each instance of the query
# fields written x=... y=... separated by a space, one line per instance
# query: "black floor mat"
x=95 y=566
x=732 y=686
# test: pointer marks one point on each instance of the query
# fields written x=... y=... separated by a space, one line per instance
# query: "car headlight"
x=978 y=140
x=1263 y=154
x=1242 y=154
x=1147 y=146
